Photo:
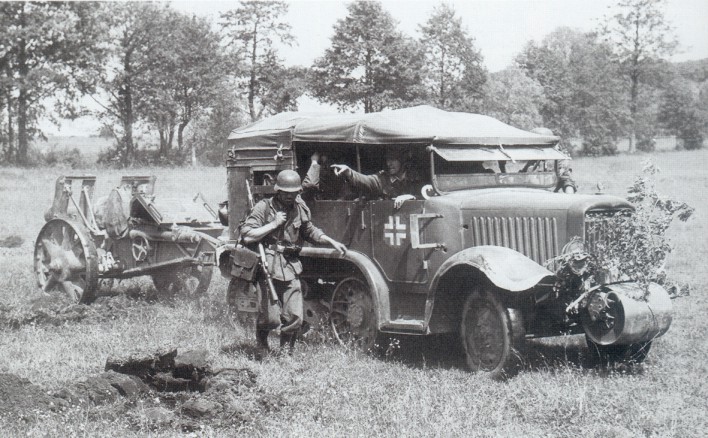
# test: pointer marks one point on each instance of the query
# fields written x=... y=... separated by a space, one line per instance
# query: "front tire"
x=352 y=314
x=492 y=335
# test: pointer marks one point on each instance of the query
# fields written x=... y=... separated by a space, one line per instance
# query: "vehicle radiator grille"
x=535 y=237
x=597 y=226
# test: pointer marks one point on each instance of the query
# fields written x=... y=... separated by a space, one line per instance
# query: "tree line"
x=188 y=81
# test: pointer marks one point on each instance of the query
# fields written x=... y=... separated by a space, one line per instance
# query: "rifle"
x=261 y=252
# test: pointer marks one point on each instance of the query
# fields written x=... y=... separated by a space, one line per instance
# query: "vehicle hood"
x=525 y=199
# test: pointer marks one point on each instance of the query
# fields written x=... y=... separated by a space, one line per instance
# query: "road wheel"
x=65 y=260
x=191 y=280
x=352 y=315
x=614 y=354
x=492 y=335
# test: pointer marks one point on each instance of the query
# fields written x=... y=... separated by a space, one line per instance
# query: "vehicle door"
x=391 y=241
x=345 y=221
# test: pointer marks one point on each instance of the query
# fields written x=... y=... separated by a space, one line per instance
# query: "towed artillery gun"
x=472 y=255
x=129 y=233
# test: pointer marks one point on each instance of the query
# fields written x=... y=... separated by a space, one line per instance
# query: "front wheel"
x=352 y=315
x=492 y=335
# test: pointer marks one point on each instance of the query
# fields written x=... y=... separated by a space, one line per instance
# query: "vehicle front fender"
x=505 y=268
x=371 y=273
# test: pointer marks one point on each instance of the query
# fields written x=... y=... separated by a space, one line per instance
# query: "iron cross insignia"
x=394 y=231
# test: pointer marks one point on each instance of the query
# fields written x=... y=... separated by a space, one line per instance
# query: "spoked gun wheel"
x=492 y=335
x=65 y=260
x=352 y=314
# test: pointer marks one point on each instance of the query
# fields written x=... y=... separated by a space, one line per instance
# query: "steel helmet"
x=288 y=181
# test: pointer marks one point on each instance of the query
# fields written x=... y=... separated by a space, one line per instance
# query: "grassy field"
x=419 y=389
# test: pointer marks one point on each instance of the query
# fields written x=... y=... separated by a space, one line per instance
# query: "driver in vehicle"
x=393 y=183
x=566 y=183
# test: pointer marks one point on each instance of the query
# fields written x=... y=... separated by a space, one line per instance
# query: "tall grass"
x=417 y=390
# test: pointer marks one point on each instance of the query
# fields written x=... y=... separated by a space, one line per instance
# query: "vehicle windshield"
x=459 y=175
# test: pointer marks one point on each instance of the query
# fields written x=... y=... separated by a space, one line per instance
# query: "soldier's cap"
x=397 y=152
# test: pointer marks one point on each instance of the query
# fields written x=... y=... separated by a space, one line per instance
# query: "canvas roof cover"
x=489 y=153
x=420 y=124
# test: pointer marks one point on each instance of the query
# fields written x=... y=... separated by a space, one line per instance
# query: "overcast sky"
x=500 y=28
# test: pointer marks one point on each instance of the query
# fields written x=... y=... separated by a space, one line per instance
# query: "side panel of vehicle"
x=348 y=222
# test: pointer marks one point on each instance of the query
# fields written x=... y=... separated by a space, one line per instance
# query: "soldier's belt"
x=286 y=250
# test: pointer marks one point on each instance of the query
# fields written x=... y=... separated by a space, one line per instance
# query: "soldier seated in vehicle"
x=397 y=182
x=566 y=183
x=321 y=183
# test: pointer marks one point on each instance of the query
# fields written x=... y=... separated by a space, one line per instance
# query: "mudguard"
x=379 y=288
x=505 y=268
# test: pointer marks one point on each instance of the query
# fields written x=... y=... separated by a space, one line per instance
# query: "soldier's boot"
x=262 y=343
x=287 y=342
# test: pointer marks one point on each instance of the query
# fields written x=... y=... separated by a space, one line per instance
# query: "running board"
x=409 y=326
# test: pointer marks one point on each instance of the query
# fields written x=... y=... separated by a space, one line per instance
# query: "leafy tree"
x=370 y=64
x=639 y=34
x=696 y=71
x=514 y=98
x=208 y=135
x=253 y=29
x=189 y=69
x=134 y=32
x=454 y=73
x=582 y=91
x=45 y=47
x=680 y=113
x=282 y=87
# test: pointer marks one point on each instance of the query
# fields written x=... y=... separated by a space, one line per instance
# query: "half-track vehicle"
x=131 y=232
x=475 y=254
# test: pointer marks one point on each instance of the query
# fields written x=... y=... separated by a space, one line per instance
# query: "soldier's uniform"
x=383 y=185
x=565 y=180
x=283 y=264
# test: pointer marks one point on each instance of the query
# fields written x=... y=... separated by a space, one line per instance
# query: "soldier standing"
x=281 y=224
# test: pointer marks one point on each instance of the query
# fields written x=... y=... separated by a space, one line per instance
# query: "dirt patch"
x=21 y=399
x=185 y=385
x=57 y=310
x=13 y=241
x=173 y=390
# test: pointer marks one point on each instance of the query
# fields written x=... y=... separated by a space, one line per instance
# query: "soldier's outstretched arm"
x=366 y=183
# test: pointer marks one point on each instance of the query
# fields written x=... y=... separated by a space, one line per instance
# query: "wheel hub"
x=355 y=315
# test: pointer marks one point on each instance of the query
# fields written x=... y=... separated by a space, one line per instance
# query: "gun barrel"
x=269 y=281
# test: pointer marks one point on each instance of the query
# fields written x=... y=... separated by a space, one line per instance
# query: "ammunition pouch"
x=291 y=250
x=244 y=263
